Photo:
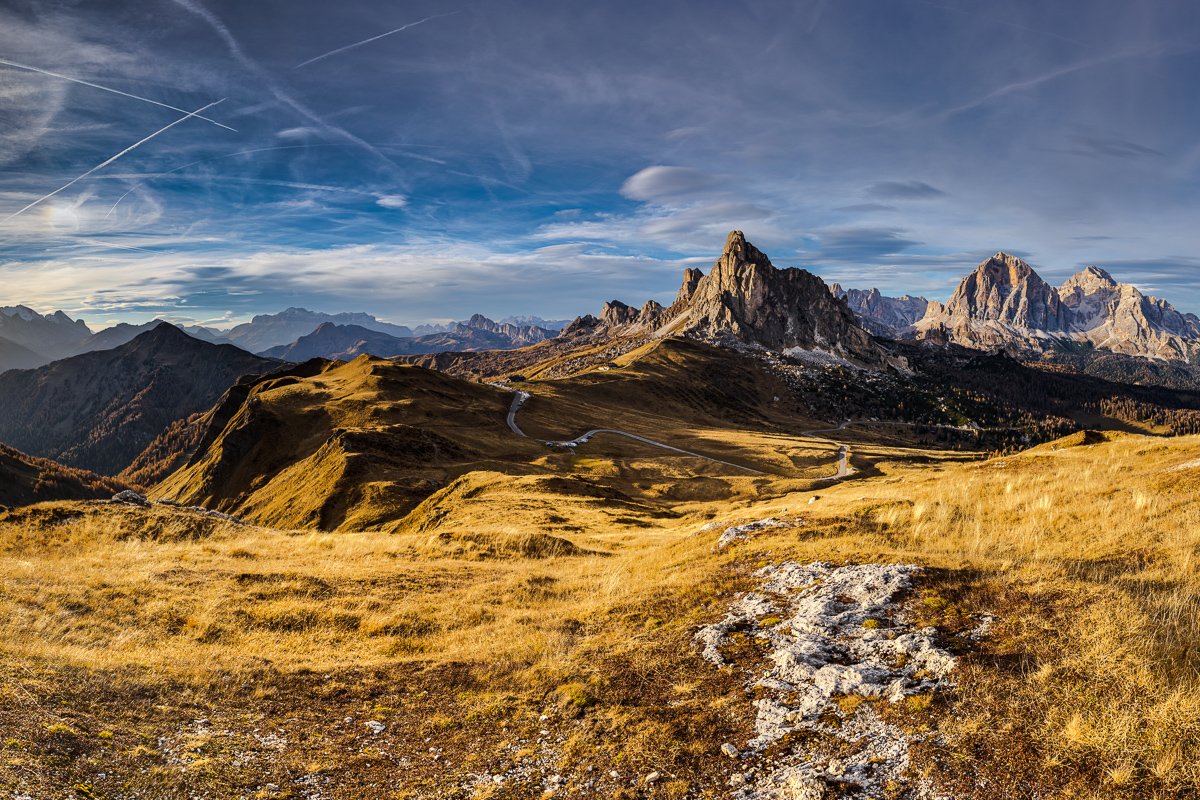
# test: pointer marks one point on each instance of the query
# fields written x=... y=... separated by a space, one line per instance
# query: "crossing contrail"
x=187 y=115
x=372 y=39
x=82 y=82
x=197 y=8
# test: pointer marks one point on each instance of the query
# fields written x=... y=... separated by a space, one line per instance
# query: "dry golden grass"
x=475 y=617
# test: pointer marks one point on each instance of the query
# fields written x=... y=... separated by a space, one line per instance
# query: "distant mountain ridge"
x=29 y=339
x=1004 y=303
x=346 y=342
x=265 y=331
x=890 y=317
x=99 y=410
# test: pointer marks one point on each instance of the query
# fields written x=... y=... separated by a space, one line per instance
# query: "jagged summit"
x=1004 y=303
x=745 y=298
x=1088 y=276
x=890 y=317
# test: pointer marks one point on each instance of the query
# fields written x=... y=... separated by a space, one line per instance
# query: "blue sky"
x=542 y=157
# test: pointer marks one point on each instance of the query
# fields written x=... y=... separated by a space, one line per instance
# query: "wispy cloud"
x=904 y=190
x=235 y=49
x=353 y=45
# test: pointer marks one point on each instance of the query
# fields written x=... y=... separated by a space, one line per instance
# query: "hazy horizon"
x=438 y=160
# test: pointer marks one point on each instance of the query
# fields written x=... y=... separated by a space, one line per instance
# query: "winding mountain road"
x=520 y=397
x=844 y=470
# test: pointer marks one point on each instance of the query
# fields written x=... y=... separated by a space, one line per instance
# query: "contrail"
x=82 y=82
x=187 y=115
x=372 y=39
x=235 y=49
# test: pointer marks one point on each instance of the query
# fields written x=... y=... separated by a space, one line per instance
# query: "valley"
x=625 y=561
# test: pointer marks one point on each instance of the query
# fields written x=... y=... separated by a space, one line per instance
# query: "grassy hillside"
x=99 y=410
x=25 y=479
x=555 y=635
x=346 y=446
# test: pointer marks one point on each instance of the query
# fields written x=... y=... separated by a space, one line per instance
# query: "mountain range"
x=213 y=424
x=346 y=342
x=889 y=317
x=29 y=339
x=1004 y=304
x=99 y=410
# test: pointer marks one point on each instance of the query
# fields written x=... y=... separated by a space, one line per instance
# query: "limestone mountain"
x=746 y=299
x=892 y=317
x=26 y=479
x=265 y=331
x=1005 y=304
x=98 y=410
x=1117 y=317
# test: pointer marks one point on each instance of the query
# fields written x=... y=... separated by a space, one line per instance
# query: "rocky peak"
x=747 y=298
x=1090 y=280
x=892 y=317
x=691 y=279
x=615 y=313
x=1005 y=304
x=1006 y=290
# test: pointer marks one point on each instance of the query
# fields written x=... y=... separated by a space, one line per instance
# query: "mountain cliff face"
x=746 y=299
x=1117 y=317
x=1005 y=304
x=893 y=317
x=99 y=410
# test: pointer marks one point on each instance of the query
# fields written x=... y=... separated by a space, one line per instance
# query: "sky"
x=206 y=160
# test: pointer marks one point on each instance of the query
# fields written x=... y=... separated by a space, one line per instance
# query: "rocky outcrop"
x=516 y=335
x=691 y=279
x=746 y=299
x=1117 y=317
x=1004 y=304
x=892 y=317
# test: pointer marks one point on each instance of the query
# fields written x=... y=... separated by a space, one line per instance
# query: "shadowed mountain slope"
x=99 y=410
x=26 y=479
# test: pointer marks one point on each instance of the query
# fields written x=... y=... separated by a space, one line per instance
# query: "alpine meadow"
x=331 y=468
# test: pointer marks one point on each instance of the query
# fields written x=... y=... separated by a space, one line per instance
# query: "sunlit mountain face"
x=203 y=161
